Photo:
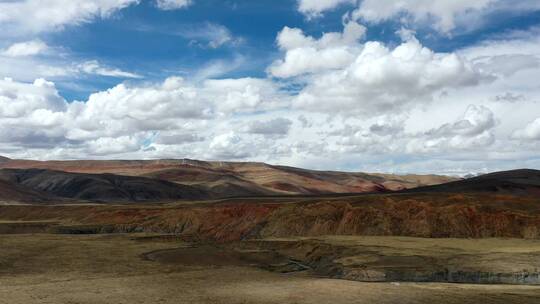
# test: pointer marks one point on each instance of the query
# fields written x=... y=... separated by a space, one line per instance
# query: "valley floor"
x=131 y=268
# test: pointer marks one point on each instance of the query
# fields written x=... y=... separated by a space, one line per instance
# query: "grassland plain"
x=51 y=268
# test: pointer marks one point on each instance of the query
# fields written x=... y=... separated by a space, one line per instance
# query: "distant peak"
x=3 y=159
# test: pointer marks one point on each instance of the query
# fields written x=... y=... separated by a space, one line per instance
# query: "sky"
x=418 y=86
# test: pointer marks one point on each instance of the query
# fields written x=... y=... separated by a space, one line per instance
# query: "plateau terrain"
x=269 y=152
x=165 y=231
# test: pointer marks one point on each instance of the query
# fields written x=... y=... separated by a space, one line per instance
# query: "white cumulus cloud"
x=443 y=16
x=530 y=132
x=314 y=8
x=172 y=4
x=27 y=48
x=173 y=111
x=472 y=131
x=304 y=54
x=36 y=16
x=381 y=79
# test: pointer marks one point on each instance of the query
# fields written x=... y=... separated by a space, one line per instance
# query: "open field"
x=49 y=268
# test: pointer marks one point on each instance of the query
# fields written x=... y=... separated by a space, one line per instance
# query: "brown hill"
x=220 y=183
x=241 y=179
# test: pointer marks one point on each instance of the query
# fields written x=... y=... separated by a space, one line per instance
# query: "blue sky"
x=426 y=86
x=158 y=44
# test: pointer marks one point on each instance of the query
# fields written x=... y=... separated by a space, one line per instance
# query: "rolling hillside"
x=232 y=179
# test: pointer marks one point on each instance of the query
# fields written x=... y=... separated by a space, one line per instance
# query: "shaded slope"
x=517 y=182
x=11 y=193
x=100 y=187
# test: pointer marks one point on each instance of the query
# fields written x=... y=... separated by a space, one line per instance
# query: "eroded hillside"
x=439 y=215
